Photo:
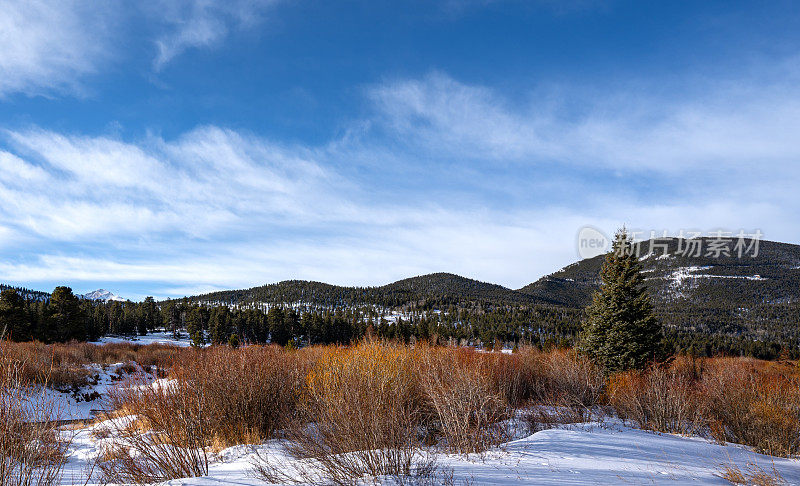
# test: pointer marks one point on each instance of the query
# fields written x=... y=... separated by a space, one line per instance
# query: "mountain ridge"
x=440 y=286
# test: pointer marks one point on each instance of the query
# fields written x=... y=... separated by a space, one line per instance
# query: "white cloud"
x=512 y=248
x=201 y=23
x=220 y=208
x=209 y=180
x=719 y=126
x=49 y=46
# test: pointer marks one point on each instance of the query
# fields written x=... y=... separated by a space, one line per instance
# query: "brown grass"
x=64 y=366
x=753 y=475
x=247 y=393
x=32 y=450
x=468 y=409
x=364 y=410
x=163 y=438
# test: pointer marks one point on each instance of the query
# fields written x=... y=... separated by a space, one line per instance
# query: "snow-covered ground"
x=81 y=404
x=151 y=338
x=591 y=453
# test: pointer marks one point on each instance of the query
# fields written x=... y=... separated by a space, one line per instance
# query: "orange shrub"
x=755 y=403
x=364 y=408
x=467 y=406
x=665 y=398
x=248 y=393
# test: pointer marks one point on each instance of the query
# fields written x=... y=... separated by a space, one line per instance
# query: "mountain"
x=772 y=276
x=756 y=295
x=440 y=289
x=102 y=294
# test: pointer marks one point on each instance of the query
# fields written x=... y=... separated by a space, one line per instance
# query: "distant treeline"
x=62 y=316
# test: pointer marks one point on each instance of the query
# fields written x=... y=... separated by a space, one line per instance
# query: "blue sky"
x=187 y=146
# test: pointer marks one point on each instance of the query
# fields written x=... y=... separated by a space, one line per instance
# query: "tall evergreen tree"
x=195 y=324
x=14 y=322
x=149 y=316
x=621 y=332
x=219 y=325
x=66 y=317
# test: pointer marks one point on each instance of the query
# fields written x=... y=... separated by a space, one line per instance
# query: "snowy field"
x=582 y=454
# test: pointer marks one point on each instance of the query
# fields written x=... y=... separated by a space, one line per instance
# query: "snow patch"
x=104 y=295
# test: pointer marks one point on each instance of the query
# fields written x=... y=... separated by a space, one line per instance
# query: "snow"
x=103 y=294
x=165 y=337
x=679 y=275
x=591 y=453
x=81 y=405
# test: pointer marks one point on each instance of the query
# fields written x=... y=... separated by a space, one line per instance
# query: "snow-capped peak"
x=102 y=294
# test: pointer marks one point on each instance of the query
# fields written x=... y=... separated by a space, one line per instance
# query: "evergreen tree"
x=14 y=322
x=195 y=324
x=148 y=316
x=621 y=331
x=65 y=315
x=219 y=325
x=116 y=318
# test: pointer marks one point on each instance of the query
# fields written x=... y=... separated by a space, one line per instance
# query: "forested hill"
x=757 y=296
x=27 y=293
x=440 y=289
x=772 y=276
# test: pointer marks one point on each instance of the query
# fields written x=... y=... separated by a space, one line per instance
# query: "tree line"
x=63 y=316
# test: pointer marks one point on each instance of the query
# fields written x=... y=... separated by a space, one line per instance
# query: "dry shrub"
x=215 y=398
x=467 y=409
x=161 y=436
x=361 y=413
x=560 y=386
x=664 y=398
x=64 y=366
x=754 y=403
x=510 y=376
x=571 y=379
x=739 y=400
x=561 y=377
x=753 y=475
x=32 y=450
x=247 y=393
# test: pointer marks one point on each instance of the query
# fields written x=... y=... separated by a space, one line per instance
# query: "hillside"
x=27 y=293
x=432 y=289
x=757 y=296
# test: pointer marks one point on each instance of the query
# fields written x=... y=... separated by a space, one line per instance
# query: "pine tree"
x=621 y=331
x=13 y=320
x=66 y=318
x=195 y=322
x=149 y=315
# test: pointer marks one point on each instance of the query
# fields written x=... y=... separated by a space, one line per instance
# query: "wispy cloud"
x=208 y=180
x=722 y=125
x=49 y=46
x=202 y=23
x=402 y=193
